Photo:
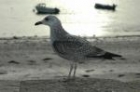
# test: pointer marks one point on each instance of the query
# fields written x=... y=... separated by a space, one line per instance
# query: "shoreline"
x=47 y=37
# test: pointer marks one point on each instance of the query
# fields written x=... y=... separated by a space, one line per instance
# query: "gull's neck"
x=57 y=32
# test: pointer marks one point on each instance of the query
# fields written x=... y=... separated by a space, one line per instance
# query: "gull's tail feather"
x=109 y=55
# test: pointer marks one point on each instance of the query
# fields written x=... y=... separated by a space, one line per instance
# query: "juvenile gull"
x=72 y=48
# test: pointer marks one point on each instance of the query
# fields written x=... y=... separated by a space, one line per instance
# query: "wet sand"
x=32 y=58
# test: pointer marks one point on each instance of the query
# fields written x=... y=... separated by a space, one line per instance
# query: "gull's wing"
x=76 y=45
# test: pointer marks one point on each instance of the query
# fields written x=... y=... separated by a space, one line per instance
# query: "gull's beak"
x=38 y=23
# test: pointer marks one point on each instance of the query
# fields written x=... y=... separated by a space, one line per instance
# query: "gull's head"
x=49 y=20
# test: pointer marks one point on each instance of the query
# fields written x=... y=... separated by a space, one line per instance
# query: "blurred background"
x=79 y=17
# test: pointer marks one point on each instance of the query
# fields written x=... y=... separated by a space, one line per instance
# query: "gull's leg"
x=71 y=68
x=75 y=68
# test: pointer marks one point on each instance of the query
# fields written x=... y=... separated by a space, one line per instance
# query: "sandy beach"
x=32 y=58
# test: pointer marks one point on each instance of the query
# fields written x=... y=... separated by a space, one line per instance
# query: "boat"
x=42 y=9
x=105 y=7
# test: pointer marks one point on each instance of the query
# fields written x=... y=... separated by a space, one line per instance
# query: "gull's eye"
x=46 y=18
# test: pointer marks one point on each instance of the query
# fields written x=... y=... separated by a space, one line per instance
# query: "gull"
x=73 y=48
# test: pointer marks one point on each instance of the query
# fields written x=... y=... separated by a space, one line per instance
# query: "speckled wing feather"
x=69 y=44
x=67 y=47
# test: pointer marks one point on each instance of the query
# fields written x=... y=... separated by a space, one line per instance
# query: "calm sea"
x=79 y=17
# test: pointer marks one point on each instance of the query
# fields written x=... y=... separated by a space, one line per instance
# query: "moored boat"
x=106 y=7
x=42 y=9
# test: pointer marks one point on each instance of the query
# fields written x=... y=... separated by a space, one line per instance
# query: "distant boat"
x=106 y=7
x=42 y=9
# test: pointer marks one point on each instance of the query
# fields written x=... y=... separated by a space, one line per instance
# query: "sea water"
x=78 y=17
